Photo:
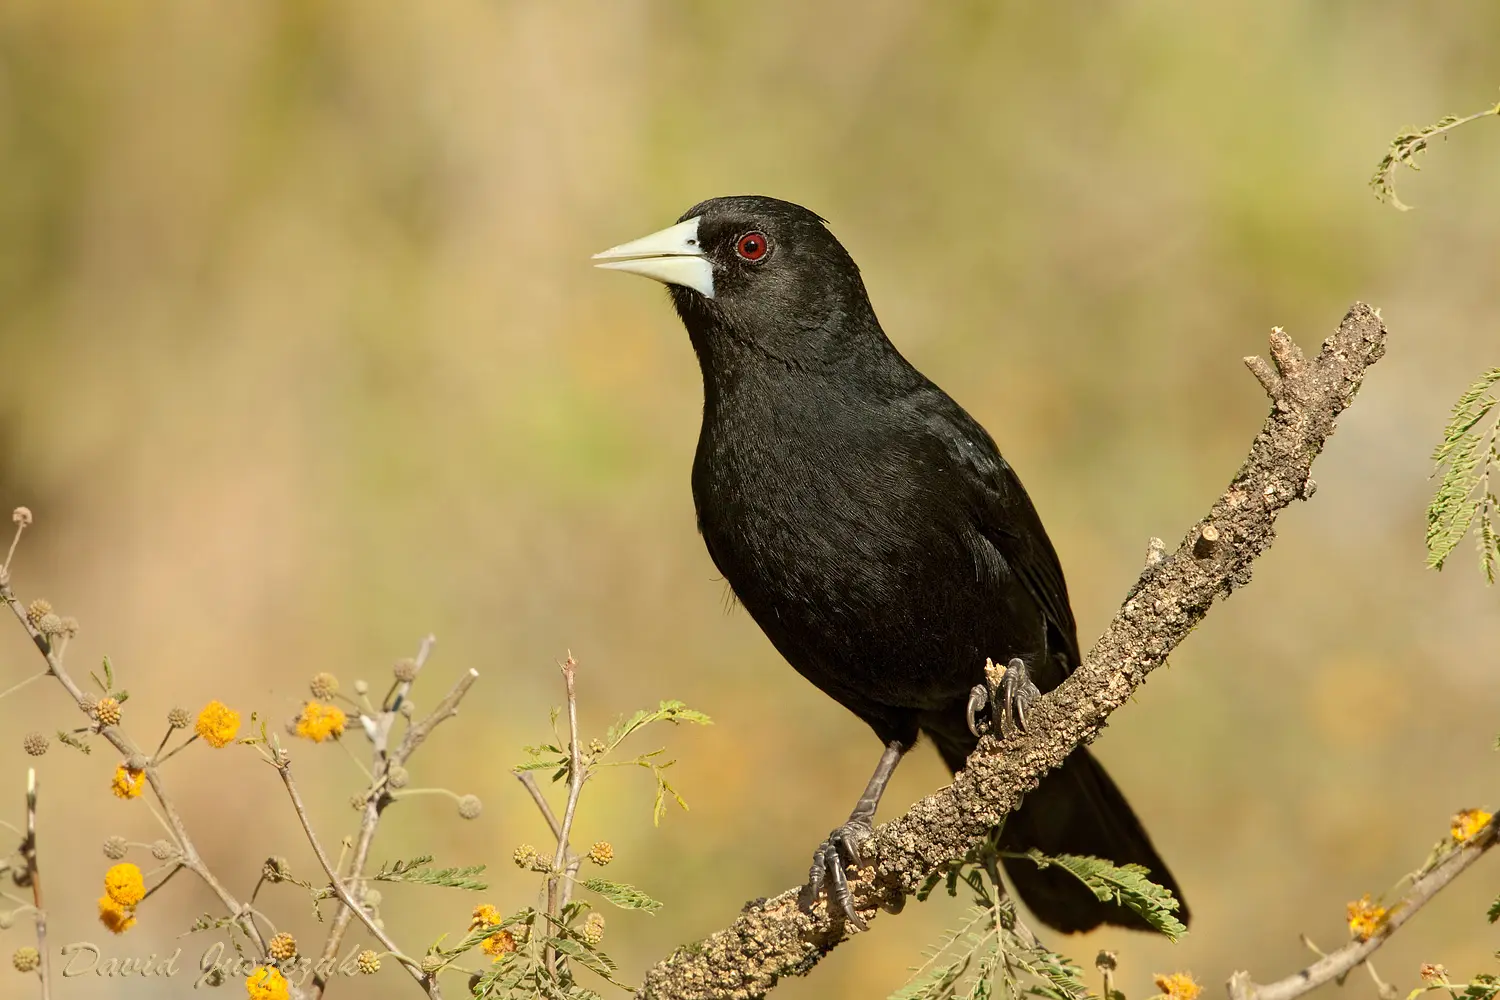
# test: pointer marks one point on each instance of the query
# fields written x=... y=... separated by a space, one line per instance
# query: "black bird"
x=871 y=528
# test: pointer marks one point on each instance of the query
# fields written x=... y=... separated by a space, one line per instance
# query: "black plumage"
x=871 y=527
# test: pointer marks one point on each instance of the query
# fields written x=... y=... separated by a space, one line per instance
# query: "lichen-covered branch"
x=774 y=938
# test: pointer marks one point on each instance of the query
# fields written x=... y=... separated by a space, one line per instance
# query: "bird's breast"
x=853 y=552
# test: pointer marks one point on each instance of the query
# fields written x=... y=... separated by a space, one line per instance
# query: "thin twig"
x=176 y=867
x=15 y=540
x=20 y=684
x=560 y=883
x=1341 y=961
x=528 y=779
x=39 y=915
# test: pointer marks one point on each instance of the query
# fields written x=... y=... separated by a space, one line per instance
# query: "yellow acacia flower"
x=1365 y=917
x=124 y=885
x=1178 y=986
x=485 y=915
x=117 y=918
x=1467 y=823
x=499 y=943
x=319 y=721
x=217 y=724
x=266 y=983
x=127 y=783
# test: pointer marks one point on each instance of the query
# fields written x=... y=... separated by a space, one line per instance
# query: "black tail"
x=1076 y=809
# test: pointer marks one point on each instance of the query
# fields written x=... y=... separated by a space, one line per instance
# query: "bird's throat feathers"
x=819 y=336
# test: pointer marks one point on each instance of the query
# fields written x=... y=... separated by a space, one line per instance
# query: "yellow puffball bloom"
x=498 y=944
x=1178 y=986
x=485 y=915
x=1365 y=918
x=319 y=721
x=117 y=918
x=128 y=784
x=217 y=724
x=124 y=885
x=266 y=983
x=1468 y=823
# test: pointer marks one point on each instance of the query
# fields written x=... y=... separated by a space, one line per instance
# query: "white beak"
x=671 y=256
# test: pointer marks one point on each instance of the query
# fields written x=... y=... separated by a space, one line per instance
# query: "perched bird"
x=871 y=528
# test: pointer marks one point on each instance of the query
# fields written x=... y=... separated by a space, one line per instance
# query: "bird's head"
x=759 y=272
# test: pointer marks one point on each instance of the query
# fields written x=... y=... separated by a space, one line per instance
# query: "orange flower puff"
x=117 y=918
x=319 y=721
x=1178 y=986
x=266 y=983
x=1468 y=823
x=128 y=784
x=217 y=724
x=124 y=885
x=1365 y=918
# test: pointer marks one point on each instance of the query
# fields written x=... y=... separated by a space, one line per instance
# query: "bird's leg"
x=1012 y=694
x=843 y=845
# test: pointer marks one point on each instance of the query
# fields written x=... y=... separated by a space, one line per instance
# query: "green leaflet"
x=1467 y=461
x=416 y=871
x=1123 y=884
x=626 y=897
x=1404 y=149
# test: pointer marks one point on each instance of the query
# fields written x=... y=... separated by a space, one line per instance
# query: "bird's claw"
x=1013 y=696
x=842 y=848
x=1017 y=695
x=979 y=696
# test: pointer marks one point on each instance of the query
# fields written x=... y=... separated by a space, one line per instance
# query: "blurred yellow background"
x=303 y=358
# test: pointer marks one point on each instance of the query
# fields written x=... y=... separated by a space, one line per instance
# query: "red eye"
x=752 y=246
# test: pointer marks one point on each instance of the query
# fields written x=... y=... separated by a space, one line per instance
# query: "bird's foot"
x=1010 y=692
x=841 y=849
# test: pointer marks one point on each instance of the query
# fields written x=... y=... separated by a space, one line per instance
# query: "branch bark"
x=774 y=938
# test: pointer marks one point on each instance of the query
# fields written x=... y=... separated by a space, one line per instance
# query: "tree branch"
x=774 y=938
x=1337 y=964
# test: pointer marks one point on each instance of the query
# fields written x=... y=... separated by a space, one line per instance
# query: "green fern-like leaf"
x=416 y=871
x=1468 y=463
x=667 y=711
x=1058 y=978
x=948 y=960
x=627 y=897
x=1404 y=149
x=1126 y=885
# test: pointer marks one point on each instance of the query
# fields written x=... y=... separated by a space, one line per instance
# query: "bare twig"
x=528 y=779
x=559 y=881
x=1340 y=962
x=33 y=872
x=21 y=517
x=774 y=938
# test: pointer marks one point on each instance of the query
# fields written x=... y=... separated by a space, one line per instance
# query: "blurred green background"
x=303 y=357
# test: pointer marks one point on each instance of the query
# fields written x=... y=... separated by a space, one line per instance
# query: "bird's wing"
x=1007 y=519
